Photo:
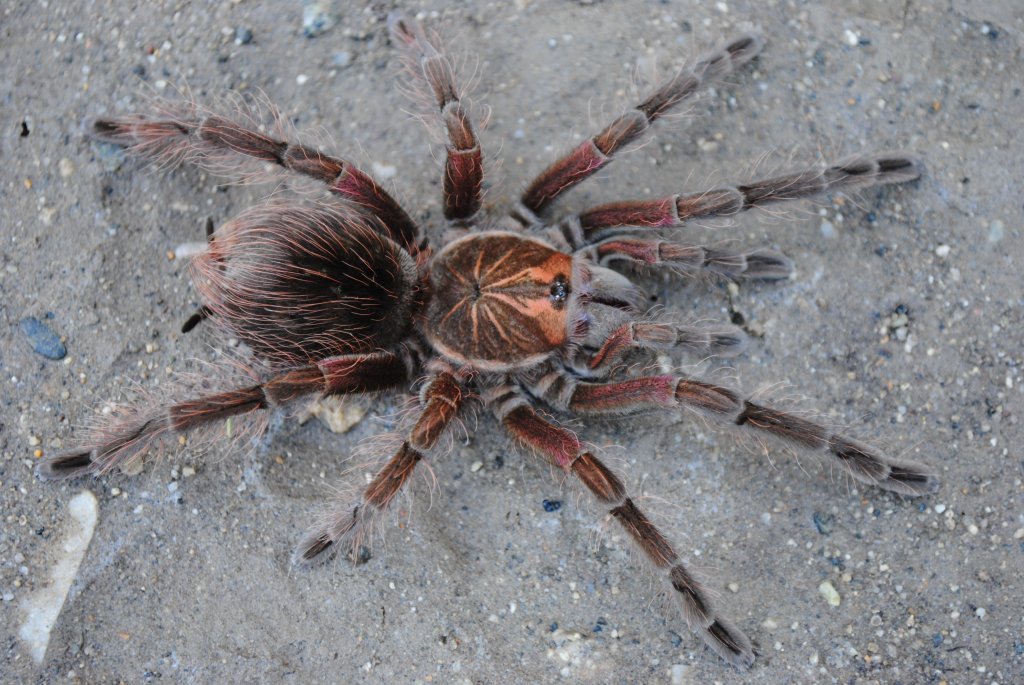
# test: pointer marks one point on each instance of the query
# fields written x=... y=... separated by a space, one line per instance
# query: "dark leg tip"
x=899 y=168
x=768 y=265
x=67 y=465
x=911 y=480
x=311 y=549
x=105 y=129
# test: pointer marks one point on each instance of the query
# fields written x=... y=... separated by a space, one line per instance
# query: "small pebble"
x=681 y=674
x=829 y=593
x=477 y=465
x=823 y=522
x=851 y=38
x=342 y=59
x=189 y=250
x=551 y=505
x=942 y=251
x=111 y=157
x=995 y=231
x=243 y=36
x=301 y=79
x=316 y=17
x=43 y=340
x=384 y=171
x=827 y=229
x=66 y=167
x=939 y=508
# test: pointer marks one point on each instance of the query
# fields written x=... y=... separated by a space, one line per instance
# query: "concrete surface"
x=903 y=323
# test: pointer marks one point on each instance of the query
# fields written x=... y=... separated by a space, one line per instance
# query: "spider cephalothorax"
x=501 y=301
x=351 y=297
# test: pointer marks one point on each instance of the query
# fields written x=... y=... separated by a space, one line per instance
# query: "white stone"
x=43 y=606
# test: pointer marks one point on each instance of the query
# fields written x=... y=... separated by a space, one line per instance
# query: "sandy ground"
x=903 y=323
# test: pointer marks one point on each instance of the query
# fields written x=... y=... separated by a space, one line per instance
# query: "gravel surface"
x=903 y=323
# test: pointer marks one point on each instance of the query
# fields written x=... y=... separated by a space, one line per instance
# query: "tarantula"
x=353 y=299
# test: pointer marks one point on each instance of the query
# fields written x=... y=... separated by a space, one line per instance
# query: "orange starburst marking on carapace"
x=500 y=299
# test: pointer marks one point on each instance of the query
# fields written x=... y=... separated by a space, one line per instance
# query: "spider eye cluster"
x=560 y=290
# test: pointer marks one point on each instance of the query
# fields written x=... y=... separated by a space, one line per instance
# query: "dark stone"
x=44 y=341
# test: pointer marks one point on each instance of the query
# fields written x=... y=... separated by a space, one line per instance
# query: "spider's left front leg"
x=562 y=448
x=347 y=526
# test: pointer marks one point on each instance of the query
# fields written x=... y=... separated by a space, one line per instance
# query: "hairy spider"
x=351 y=298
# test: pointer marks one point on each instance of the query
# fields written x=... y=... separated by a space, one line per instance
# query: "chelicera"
x=352 y=297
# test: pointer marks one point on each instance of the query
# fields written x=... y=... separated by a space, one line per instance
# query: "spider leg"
x=463 y=171
x=596 y=152
x=761 y=264
x=720 y=341
x=441 y=399
x=205 y=140
x=121 y=441
x=860 y=461
x=562 y=448
x=851 y=174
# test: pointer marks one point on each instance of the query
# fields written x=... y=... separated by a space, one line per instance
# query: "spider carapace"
x=501 y=301
x=349 y=296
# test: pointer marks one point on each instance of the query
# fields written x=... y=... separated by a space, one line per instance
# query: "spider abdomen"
x=499 y=301
x=299 y=284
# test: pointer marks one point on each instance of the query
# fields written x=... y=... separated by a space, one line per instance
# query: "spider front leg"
x=721 y=341
x=562 y=449
x=761 y=264
x=125 y=439
x=860 y=461
x=596 y=152
x=855 y=173
x=347 y=526
x=463 y=171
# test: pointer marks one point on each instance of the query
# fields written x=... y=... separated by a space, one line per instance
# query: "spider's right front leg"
x=346 y=526
x=562 y=449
